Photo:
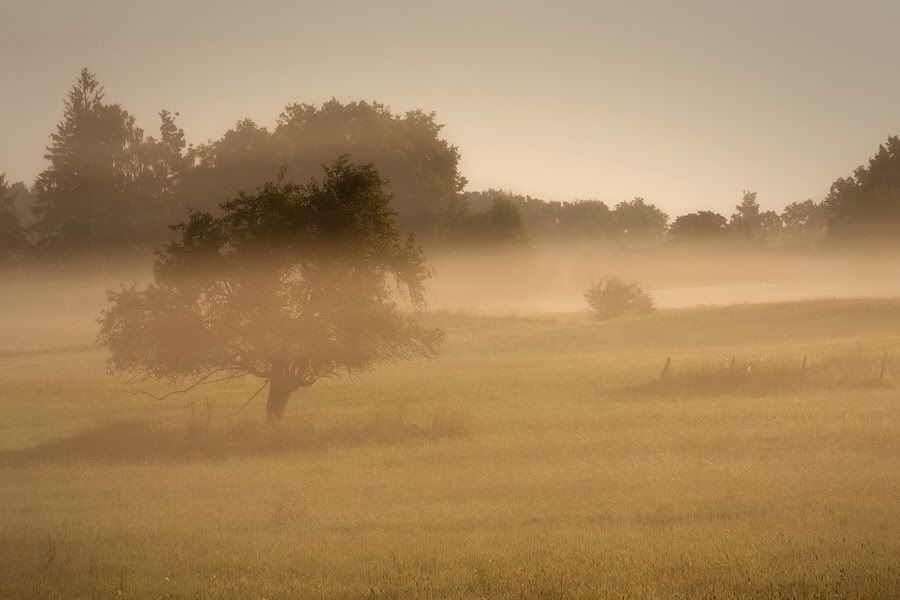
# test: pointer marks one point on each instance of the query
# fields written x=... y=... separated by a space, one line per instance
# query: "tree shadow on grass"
x=140 y=441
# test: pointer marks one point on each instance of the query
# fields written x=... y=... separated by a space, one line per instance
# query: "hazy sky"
x=684 y=103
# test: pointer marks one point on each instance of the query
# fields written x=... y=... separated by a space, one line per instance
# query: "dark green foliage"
x=700 y=226
x=13 y=242
x=82 y=196
x=578 y=220
x=106 y=186
x=500 y=224
x=422 y=168
x=22 y=203
x=866 y=206
x=588 y=219
x=751 y=224
x=611 y=297
x=291 y=284
x=641 y=222
x=554 y=221
x=804 y=222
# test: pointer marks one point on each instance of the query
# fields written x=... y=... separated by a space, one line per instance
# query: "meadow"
x=539 y=456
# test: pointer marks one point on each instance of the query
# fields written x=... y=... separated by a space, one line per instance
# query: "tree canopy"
x=866 y=205
x=291 y=284
x=106 y=186
x=501 y=223
x=804 y=222
x=754 y=224
x=407 y=149
x=700 y=226
x=641 y=221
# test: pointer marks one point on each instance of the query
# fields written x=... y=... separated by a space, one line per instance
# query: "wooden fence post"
x=731 y=368
x=883 y=365
x=665 y=370
x=803 y=368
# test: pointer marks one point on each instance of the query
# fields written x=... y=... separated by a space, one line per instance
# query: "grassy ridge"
x=572 y=477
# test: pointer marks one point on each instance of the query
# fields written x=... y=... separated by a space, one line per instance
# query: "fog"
x=491 y=300
x=553 y=279
x=546 y=278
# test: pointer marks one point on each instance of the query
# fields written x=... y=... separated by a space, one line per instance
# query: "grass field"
x=537 y=457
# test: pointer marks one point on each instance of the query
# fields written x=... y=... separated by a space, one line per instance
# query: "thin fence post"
x=883 y=365
x=731 y=368
x=803 y=368
x=665 y=370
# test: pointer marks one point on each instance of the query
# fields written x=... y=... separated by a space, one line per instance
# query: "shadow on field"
x=138 y=441
x=760 y=377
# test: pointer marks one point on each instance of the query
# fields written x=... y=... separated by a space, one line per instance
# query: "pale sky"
x=685 y=103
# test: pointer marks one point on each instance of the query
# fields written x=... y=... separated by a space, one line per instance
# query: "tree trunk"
x=279 y=392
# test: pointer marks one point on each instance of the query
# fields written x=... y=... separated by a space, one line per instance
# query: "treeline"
x=635 y=221
x=862 y=209
x=110 y=187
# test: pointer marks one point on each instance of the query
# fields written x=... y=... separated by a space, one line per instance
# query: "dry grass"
x=759 y=377
x=201 y=439
x=570 y=481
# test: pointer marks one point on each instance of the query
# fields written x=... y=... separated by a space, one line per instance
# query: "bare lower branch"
x=255 y=394
x=228 y=378
x=177 y=392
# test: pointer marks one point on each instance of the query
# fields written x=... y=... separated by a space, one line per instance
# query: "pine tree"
x=85 y=199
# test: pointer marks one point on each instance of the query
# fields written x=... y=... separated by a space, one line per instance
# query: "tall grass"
x=202 y=439
x=560 y=468
x=759 y=376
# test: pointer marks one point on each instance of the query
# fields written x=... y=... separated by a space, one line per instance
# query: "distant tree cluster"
x=612 y=297
x=632 y=220
x=639 y=222
x=866 y=205
x=292 y=284
x=108 y=186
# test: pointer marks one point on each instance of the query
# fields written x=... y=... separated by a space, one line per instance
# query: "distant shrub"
x=612 y=297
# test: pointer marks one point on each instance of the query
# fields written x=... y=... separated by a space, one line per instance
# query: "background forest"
x=109 y=186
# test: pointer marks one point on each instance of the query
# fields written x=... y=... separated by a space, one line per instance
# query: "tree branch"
x=228 y=378
x=176 y=392
x=255 y=394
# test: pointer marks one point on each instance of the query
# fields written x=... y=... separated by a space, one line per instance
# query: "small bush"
x=611 y=297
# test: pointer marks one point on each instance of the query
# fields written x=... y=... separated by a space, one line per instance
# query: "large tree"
x=501 y=223
x=407 y=149
x=291 y=284
x=804 y=222
x=22 y=201
x=81 y=198
x=641 y=221
x=163 y=165
x=753 y=224
x=701 y=226
x=106 y=186
x=866 y=205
